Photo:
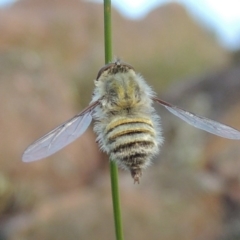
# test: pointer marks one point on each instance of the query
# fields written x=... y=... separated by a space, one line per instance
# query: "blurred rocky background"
x=50 y=52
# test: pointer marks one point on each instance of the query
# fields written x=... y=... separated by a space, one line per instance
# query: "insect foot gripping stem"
x=136 y=174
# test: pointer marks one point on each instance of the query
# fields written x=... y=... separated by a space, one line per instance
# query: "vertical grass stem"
x=113 y=166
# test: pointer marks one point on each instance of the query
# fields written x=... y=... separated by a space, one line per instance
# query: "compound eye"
x=103 y=69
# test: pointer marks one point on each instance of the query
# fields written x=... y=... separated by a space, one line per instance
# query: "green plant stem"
x=113 y=166
x=116 y=201
x=107 y=31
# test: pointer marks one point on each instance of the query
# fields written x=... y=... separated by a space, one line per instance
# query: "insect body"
x=127 y=126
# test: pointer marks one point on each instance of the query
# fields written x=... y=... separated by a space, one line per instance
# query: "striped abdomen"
x=132 y=143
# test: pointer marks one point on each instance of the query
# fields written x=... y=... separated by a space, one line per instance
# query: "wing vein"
x=203 y=123
x=61 y=136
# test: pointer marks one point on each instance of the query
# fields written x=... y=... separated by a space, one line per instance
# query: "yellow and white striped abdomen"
x=131 y=141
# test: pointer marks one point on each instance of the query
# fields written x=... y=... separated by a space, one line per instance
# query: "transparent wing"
x=201 y=122
x=60 y=137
